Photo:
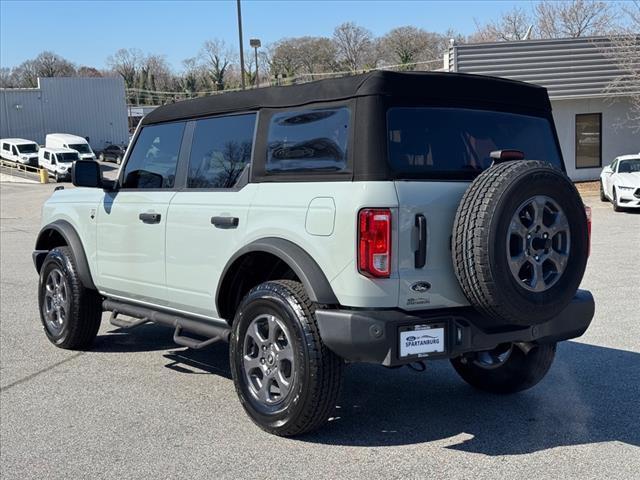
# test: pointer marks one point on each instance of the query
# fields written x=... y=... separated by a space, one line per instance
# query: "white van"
x=65 y=140
x=58 y=161
x=19 y=150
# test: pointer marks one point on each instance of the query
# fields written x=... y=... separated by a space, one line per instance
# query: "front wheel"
x=70 y=313
x=614 y=201
x=509 y=368
x=603 y=197
x=287 y=380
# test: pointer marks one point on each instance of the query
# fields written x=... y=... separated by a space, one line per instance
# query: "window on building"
x=220 y=151
x=154 y=159
x=308 y=140
x=589 y=140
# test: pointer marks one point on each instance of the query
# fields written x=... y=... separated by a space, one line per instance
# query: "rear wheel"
x=70 y=313
x=508 y=368
x=286 y=378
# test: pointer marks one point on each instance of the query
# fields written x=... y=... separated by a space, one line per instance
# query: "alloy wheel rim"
x=538 y=243
x=56 y=301
x=268 y=360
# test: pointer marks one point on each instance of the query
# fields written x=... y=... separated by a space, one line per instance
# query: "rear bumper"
x=371 y=336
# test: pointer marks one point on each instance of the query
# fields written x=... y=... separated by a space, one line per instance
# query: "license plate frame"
x=430 y=340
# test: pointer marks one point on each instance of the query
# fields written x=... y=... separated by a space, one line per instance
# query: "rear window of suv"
x=308 y=140
x=455 y=143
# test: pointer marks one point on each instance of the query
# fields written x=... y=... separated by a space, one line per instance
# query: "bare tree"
x=284 y=58
x=217 y=58
x=512 y=25
x=408 y=46
x=89 y=72
x=354 y=46
x=7 y=78
x=50 y=64
x=574 y=18
x=317 y=54
x=625 y=51
x=127 y=63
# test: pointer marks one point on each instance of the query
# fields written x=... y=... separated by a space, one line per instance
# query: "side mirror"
x=86 y=173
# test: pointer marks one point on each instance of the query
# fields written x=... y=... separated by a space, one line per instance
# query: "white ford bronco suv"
x=387 y=218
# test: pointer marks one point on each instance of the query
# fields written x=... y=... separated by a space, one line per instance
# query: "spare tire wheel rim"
x=538 y=243
x=268 y=359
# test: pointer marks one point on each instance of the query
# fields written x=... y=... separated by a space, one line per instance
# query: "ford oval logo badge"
x=420 y=287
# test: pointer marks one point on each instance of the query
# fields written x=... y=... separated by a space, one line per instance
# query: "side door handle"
x=147 y=217
x=225 y=222
x=420 y=255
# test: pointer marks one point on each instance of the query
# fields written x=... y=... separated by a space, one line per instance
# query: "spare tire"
x=520 y=243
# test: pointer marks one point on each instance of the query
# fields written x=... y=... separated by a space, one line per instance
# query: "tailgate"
x=433 y=285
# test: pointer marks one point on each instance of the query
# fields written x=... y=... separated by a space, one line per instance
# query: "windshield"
x=81 y=148
x=629 y=166
x=28 y=148
x=67 y=157
x=456 y=142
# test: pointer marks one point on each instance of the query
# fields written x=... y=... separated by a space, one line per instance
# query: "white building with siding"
x=593 y=124
x=94 y=108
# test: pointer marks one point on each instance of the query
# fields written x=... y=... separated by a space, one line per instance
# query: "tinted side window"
x=46 y=155
x=308 y=140
x=5 y=146
x=220 y=151
x=153 y=161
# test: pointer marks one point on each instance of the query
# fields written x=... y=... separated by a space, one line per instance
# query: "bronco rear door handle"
x=225 y=222
x=420 y=255
x=147 y=217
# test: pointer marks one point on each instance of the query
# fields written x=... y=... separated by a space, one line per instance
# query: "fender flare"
x=72 y=239
x=305 y=267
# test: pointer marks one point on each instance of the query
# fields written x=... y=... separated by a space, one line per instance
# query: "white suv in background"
x=19 y=150
x=387 y=218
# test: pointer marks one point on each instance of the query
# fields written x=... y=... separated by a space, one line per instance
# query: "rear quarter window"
x=456 y=142
x=308 y=141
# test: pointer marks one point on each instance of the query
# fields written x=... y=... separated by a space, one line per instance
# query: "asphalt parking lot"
x=138 y=406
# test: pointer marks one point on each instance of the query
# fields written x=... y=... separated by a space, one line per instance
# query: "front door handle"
x=147 y=217
x=225 y=222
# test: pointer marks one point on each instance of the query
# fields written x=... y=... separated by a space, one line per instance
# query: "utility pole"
x=241 y=50
x=255 y=43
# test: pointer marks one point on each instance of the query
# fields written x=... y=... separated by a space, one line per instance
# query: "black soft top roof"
x=424 y=87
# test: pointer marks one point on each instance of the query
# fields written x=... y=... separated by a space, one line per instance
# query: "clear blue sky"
x=87 y=32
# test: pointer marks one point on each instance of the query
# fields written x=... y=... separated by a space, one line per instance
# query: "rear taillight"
x=374 y=242
x=587 y=210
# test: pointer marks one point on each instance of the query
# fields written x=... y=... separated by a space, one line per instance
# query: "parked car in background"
x=620 y=182
x=113 y=153
x=58 y=161
x=19 y=150
x=65 y=140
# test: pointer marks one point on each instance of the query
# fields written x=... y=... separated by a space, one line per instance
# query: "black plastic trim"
x=72 y=239
x=371 y=336
x=304 y=266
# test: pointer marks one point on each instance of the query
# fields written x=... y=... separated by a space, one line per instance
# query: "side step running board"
x=202 y=328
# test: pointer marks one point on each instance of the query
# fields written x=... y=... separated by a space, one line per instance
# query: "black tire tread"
x=470 y=237
x=86 y=308
x=520 y=372
x=325 y=367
